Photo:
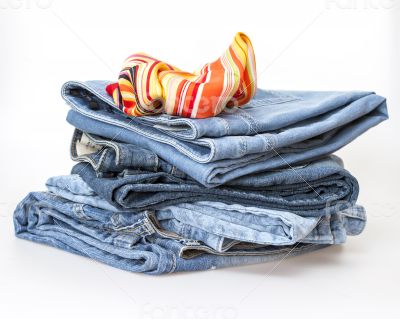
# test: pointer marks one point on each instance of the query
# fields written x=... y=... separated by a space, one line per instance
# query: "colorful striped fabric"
x=147 y=86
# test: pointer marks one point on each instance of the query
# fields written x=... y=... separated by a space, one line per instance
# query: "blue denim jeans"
x=275 y=130
x=309 y=190
x=128 y=241
x=223 y=226
x=108 y=157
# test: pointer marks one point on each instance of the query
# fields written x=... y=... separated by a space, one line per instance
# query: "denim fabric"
x=73 y=188
x=126 y=241
x=111 y=156
x=107 y=156
x=222 y=226
x=269 y=111
x=309 y=125
x=311 y=190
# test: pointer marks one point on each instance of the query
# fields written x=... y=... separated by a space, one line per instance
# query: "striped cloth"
x=147 y=86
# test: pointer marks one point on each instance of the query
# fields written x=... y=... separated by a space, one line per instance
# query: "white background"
x=308 y=45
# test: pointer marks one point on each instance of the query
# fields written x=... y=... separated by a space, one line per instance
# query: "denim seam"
x=84 y=158
x=173 y=264
x=225 y=125
x=118 y=123
x=183 y=230
x=190 y=242
x=274 y=100
x=159 y=230
x=96 y=166
x=220 y=243
x=163 y=234
x=109 y=144
x=142 y=225
x=233 y=243
x=193 y=135
x=249 y=120
x=213 y=150
x=111 y=230
x=242 y=146
x=102 y=160
x=270 y=140
x=247 y=253
x=87 y=160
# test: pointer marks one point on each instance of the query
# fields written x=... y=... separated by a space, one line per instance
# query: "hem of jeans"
x=192 y=133
x=117 y=123
x=248 y=119
x=205 y=249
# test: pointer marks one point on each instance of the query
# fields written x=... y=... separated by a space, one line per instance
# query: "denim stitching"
x=249 y=120
x=67 y=86
x=242 y=146
x=106 y=143
x=225 y=124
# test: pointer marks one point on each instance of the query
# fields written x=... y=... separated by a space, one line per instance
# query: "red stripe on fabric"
x=188 y=112
x=148 y=81
x=110 y=88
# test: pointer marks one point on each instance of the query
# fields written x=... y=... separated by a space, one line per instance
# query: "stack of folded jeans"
x=159 y=194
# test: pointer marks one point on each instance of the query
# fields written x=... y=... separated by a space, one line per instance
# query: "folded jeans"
x=295 y=127
x=222 y=226
x=310 y=190
x=127 y=241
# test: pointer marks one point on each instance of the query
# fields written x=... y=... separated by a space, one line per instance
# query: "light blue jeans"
x=222 y=226
x=129 y=241
x=275 y=130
